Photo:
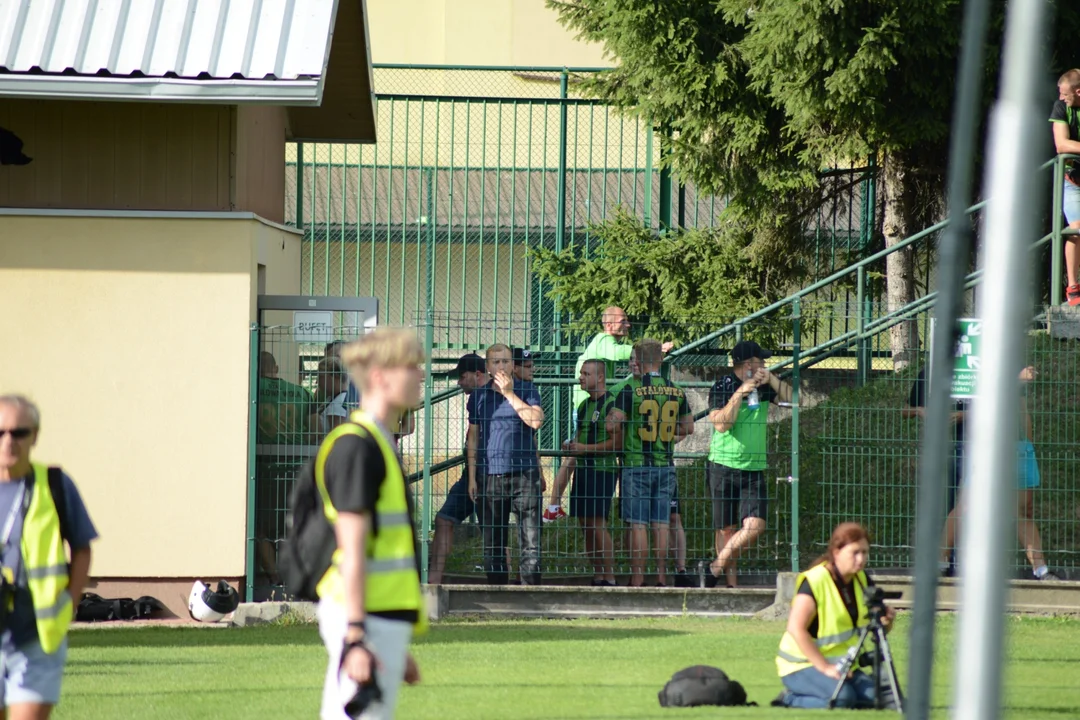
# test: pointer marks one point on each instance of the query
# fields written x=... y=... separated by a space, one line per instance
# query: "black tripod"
x=881 y=658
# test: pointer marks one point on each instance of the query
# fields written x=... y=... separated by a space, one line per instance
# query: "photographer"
x=829 y=608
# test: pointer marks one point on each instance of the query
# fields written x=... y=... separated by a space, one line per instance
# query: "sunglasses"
x=17 y=433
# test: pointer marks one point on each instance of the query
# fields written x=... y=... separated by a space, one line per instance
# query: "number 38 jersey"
x=653 y=406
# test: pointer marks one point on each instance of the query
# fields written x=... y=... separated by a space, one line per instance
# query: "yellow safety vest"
x=45 y=562
x=391 y=581
x=836 y=634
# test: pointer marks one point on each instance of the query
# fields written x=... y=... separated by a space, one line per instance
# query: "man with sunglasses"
x=40 y=508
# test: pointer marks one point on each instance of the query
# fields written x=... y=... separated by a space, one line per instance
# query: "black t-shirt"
x=725 y=387
x=354 y=471
x=847 y=593
x=917 y=398
x=1071 y=117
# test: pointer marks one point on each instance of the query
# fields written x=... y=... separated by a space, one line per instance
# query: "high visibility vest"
x=391 y=581
x=836 y=633
x=46 y=564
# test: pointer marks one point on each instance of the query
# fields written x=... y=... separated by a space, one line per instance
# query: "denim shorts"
x=647 y=494
x=458 y=506
x=1071 y=203
x=31 y=675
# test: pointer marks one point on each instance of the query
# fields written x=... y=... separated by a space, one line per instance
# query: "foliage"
x=678 y=288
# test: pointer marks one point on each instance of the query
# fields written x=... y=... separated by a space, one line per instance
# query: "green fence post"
x=429 y=383
x=299 y=186
x=1057 y=243
x=665 y=183
x=860 y=326
x=560 y=239
x=647 y=215
x=253 y=425
x=796 y=350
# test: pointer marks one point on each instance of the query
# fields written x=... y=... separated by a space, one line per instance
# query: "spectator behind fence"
x=1066 y=128
x=524 y=369
x=738 y=456
x=592 y=461
x=286 y=411
x=47 y=581
x=352 y=395
x=370 y=601
x=652 y=414
x=332 y=384
x=917 y=408
x=1027 y=479
x=471 y=374
x=503 y=415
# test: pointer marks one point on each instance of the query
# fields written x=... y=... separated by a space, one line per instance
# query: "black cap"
x=471 y=363
x=521 y=355
x=748 y=349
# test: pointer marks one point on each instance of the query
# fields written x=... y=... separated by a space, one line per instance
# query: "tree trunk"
x=900 y=265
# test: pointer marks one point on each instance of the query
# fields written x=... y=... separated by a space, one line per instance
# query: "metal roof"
x=268 y=51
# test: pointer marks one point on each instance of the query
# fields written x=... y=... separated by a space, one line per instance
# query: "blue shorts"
x=32 y=676
x=1071 y=202
x=458 y=506
x=1027 y=469
x=647 y=494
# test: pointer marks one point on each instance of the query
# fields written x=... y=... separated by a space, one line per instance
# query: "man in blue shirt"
x=504 y=415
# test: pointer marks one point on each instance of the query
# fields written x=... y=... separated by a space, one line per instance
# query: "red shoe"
x=1072 y=295
x=553 y=515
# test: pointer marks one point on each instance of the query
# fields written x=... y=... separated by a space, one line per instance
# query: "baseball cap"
x=521 y=355
x=747 y=349
x=471 y=363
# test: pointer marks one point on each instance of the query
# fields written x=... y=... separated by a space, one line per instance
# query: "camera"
x=876 y=597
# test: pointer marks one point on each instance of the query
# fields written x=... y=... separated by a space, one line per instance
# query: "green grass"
x=507 y=669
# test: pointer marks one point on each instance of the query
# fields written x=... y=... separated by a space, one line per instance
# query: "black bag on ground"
x=94 y=608
x=308 y=549
x=702 y=685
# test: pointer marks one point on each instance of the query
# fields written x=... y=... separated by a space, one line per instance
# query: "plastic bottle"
x=752 y=401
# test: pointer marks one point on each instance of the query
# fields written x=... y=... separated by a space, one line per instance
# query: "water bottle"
x=752 y=401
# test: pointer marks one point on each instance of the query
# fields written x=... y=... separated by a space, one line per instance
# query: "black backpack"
x=94 y=608
x=702 y=685
x=309 y=545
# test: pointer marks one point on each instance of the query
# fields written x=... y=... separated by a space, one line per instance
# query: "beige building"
x=136 y=240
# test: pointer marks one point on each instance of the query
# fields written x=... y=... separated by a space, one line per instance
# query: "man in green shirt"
x=610 y=346
x=739 y=411
x=652 y=414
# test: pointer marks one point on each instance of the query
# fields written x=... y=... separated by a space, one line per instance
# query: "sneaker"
x=683 y=579
x=604 y=583
x=1072 y=295
x=1050 y=576
x=553 y=515
x=711 y=580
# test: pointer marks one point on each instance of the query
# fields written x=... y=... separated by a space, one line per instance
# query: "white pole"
x=1018 y=137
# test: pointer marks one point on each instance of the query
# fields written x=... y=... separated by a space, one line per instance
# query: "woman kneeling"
x=826 y=614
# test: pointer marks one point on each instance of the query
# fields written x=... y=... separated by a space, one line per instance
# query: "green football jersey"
x=592 y=430
x=653 y=406
x=284 y=408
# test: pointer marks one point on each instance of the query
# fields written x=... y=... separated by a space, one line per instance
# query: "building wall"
x=260 y=161
x=122 y=156
x=134 y=340
x=474 y=32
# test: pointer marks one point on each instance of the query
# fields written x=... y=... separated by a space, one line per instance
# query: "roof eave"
x=303 y=93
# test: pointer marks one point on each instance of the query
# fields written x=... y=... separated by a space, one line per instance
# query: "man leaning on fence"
x=471 y=373
x=42 y=509
x=370 y=601
x=652 y=414
x=739 y=411
x=1065 y=120
x=503 y=417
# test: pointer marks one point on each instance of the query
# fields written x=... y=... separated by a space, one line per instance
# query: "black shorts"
x=736 y=495
x=591 y=493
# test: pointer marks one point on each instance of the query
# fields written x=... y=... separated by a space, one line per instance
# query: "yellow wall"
x=132 y=335
x=474 y=32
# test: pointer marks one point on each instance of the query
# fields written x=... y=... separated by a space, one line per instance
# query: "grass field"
x=492 y=670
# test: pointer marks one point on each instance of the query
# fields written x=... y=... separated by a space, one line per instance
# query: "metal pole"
x=1057 y=243
x=860 y=326
x=1016 y=135
x=796 y=352
x=299 y=186
x=665 y=182
x=682 y=205
x=955 y=252
x=429 y=387
x=253 y=425
x=647 y=215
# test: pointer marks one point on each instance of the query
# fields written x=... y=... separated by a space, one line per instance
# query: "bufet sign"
x=313 y=326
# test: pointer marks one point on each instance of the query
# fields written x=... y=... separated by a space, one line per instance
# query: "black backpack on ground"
x=94 y=608
x=308 y=548
x=702 y=685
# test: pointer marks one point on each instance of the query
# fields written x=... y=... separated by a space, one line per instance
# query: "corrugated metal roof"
x=205 y=40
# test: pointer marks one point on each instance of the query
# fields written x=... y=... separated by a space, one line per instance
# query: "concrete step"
x=1025 y=596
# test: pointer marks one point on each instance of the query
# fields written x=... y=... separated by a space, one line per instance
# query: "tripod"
x=882 y=659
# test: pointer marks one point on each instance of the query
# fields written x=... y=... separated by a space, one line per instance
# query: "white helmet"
x=207 y=605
